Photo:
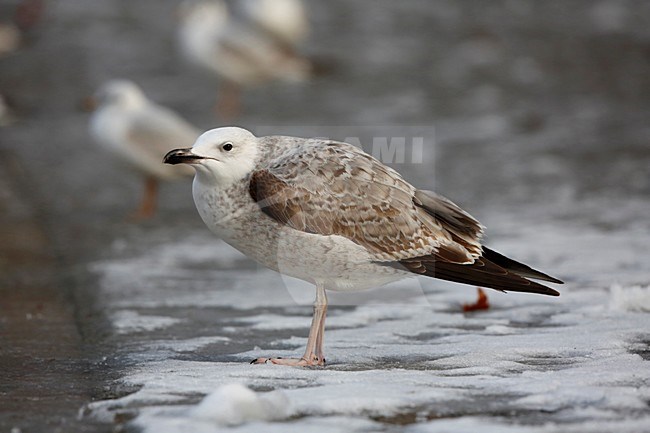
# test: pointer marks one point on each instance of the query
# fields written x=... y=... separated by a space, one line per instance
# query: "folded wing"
x=331 y=188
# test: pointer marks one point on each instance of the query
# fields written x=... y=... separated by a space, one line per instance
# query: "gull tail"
x=516 y=267
x=507 y=275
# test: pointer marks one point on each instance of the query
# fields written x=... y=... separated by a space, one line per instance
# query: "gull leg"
x=480 y=304
x=228 y=106
x=147 y=206
x=320 y=355
x=314 y=351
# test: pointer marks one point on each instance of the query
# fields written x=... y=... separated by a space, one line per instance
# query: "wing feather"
x=481 y=273
x=333 y=188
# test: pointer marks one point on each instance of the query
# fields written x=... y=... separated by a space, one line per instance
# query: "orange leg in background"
x=481 y=303
x=147 y=206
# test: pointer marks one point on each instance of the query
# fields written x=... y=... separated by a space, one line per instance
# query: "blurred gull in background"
x=26 y=15
x=254 y=43
x=140 y=133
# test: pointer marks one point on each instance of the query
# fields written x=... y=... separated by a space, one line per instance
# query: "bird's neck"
x=221 y=205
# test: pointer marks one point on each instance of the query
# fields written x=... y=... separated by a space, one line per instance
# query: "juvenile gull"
x=330 y=214
x=139 y=132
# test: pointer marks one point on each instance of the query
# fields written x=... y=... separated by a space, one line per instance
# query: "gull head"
x=122 y=93
x=220 y=156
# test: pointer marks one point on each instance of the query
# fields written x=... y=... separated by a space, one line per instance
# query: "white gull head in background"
x=285 y=20
x=330 y=214
x=138 y=132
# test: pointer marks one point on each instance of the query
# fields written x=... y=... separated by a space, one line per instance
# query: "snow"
x=235 y=404
x=128 y=321
x=634 y=298
x=403 y=357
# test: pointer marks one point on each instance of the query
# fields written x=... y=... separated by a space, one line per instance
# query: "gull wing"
x=333 y=188
x=491 y=269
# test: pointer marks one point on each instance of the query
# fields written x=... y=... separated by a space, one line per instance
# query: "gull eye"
x=227 y=146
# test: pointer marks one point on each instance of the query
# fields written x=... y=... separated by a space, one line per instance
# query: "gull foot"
x=480 y=304
x=294 y=362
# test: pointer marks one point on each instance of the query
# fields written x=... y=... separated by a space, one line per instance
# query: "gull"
x=15 y=32
x=326 y=212
x=254 y=44
x=139 y=133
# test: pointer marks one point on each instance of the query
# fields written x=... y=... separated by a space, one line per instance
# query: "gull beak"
x=181 y=156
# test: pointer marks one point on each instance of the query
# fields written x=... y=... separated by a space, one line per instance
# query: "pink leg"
x=314 y=351
x=321 y=333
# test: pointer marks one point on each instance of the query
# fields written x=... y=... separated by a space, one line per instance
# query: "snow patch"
x=630 y=298
x=235 y=404
x=129 y=321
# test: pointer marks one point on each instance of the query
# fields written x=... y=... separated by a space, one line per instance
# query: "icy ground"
x=404 y=357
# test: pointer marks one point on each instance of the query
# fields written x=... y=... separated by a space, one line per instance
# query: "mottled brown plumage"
x=335 y=189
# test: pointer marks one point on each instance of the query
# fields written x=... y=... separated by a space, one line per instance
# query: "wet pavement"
x=46 y=374
x=535 y=119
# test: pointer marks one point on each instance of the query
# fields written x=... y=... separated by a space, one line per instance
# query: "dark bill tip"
x=181 y=156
